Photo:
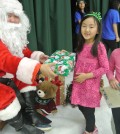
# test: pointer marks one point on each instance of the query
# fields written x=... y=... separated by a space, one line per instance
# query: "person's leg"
x=10 y=111
x=18 y=123
x=89 y=116
x=116 y=118
x=106 y=44
x=32 y=117
x=113 y=126
x=112 y=45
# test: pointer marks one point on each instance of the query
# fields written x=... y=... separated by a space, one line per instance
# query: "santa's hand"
x=43 y=58
x=47 y=71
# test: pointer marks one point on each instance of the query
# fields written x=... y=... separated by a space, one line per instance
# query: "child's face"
x=89 y=29
x=12 y=18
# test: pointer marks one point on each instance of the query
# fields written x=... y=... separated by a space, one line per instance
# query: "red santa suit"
x=19 y=66
x=23 y=70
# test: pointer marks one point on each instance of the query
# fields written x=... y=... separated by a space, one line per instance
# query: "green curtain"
x=98 y=5
x=50 y=24
x=51 y=27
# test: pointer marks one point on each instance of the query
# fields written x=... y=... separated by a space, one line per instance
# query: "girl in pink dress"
x=91 y=64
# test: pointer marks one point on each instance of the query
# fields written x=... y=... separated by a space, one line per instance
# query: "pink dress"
x=114 y=63
x=88 y=93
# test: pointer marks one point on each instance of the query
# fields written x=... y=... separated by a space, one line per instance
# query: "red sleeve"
x=8 y=62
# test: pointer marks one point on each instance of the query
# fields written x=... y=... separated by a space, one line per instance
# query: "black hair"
x=81 y=40
x=113 y=4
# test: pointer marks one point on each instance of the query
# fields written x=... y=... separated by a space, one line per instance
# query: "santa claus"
x=19 y=67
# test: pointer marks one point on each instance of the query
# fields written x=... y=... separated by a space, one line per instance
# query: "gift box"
x=64 y=60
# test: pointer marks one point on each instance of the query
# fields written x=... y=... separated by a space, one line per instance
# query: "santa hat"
x=11 y=6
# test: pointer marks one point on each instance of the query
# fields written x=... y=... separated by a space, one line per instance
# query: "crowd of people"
x=20 y=67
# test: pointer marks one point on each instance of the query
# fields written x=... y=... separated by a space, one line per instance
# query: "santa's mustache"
x=12 y=26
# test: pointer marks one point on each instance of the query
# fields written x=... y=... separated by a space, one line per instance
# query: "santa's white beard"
x=15 y=38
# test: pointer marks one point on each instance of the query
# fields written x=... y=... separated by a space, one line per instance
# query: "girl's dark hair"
x=81 y=40
x=113 y=4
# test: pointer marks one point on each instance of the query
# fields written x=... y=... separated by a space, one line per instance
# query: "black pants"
x=110 y=44
x=89 y=114
x=116 y=118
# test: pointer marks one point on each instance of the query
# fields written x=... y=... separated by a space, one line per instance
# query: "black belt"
x=5 y=81
x=10 y=83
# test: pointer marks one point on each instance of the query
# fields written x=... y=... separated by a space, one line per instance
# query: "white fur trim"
x=8 y=75
x=36 y=55
x=25 y=70
x=11 y=111
x=28 y=88
x=14 y=5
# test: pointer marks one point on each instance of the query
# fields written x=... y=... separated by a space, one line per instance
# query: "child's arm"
x=115 y=28
x=103 y=62
x=110 y=75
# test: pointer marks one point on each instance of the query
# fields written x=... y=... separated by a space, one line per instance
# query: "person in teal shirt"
x=110 y=36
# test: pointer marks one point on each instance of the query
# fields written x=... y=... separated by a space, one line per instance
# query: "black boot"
x=19 y=125
x=30 y=114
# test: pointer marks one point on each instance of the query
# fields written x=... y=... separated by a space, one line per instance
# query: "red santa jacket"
x=23 y=70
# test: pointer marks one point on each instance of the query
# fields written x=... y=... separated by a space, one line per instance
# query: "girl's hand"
x=43 y=58
x=114 y=84
x=81 y=77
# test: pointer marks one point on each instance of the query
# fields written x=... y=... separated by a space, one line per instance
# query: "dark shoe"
x=19 y=125
x=31 y=116
x=44 y=127
x=27 y=129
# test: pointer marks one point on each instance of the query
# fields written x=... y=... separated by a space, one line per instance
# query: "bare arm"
x=116 y=32
x=79 y=21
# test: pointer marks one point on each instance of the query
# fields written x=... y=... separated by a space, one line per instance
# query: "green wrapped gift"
x=64 y=60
